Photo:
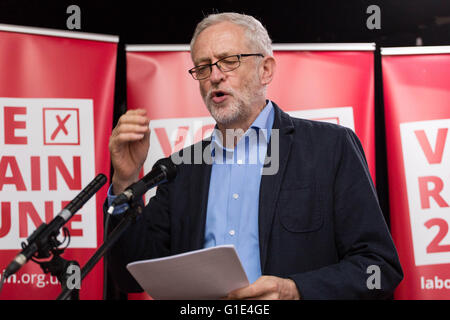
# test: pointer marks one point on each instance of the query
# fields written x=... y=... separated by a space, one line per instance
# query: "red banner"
x=56 y=107
x=327 y=82
x=417 y=112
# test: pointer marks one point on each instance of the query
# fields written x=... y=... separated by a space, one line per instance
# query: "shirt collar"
x=264 y=119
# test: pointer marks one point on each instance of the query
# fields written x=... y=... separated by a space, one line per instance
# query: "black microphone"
x=163 y=170
x=40 y=239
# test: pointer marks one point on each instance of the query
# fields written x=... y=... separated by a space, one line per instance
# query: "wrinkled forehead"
x=218 y=41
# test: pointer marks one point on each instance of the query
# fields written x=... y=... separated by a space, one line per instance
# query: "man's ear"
x=267 y=70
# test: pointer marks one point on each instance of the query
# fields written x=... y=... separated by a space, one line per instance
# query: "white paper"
x=204 y=274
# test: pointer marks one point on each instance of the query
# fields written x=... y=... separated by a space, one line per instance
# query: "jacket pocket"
x=299 y=209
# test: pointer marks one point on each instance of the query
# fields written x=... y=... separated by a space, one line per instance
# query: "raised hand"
x=128 y=146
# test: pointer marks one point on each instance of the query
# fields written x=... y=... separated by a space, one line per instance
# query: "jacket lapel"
x=271 y=181
x=200 y=196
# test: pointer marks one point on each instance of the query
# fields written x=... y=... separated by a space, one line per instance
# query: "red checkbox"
x=61 y=126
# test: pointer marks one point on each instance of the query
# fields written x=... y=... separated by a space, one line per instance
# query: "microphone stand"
x=43 y=242
x=135 y=208
x=57 y=266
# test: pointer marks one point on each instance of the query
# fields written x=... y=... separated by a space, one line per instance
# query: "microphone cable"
x=2 y=281
x=105 y=258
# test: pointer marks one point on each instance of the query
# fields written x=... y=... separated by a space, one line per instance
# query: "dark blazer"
x=320 y=223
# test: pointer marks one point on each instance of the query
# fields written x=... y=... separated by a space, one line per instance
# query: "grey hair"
x=257 y=36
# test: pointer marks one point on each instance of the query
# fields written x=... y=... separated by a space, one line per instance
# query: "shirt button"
x=235 y=196
x=232 y=232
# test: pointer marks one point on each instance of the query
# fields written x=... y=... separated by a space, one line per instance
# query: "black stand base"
x=66 y=272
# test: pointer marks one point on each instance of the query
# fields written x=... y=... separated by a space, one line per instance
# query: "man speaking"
x=293 y=196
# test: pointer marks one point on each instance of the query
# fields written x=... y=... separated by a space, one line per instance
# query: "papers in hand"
x=202 y=274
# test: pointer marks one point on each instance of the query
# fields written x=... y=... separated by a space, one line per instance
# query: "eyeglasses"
x=226 y=64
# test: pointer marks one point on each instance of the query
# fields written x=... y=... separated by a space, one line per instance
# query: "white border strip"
x=276 y=47
x=59 y=33
x=415 y=50
x=156 y=47
x=324 y=46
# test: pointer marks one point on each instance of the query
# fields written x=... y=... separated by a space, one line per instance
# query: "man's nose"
x=217 y=75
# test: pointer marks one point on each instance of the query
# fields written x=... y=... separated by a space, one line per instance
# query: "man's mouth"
x=218 y=96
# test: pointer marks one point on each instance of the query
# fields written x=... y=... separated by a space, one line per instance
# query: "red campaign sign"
x=334 y=84
x=417 y=114
x=56 y=108
x=330 y=84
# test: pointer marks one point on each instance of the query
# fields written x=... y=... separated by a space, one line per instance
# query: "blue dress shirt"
x=232 y=212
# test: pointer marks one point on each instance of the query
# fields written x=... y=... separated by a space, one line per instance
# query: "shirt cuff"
x=120 y=208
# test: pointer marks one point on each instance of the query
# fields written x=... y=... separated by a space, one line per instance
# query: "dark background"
x=150 y=22
x=320 y=21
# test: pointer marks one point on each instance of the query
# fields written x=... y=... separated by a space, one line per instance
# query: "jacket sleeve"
x=146 y=238
x=368 y=266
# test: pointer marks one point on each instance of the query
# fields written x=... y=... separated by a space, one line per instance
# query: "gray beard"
x=237 y=110
x=225 y=115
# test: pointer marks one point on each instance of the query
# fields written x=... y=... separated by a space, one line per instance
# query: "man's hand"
x=128 y=145
x=267 y=288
